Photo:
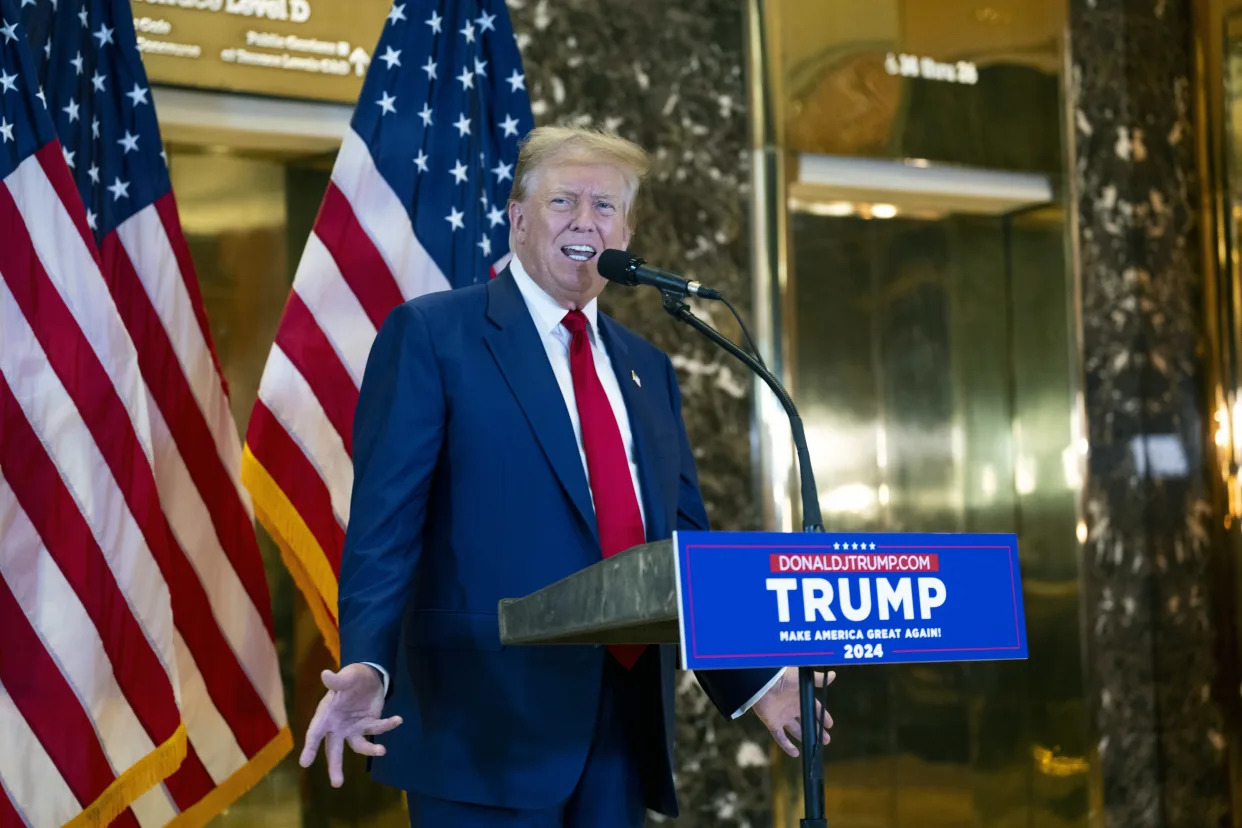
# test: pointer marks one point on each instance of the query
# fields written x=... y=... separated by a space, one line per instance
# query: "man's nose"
x=582 y=217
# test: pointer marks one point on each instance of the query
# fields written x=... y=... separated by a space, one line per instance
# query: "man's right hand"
x=348 y=713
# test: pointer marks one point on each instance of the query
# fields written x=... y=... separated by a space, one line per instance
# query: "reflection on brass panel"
x=1219 y=122
x=933 y=376
x=953 y=81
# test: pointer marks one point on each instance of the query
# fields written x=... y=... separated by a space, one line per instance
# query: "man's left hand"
x=780 y=709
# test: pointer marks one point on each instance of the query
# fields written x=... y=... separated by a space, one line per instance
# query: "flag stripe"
x=52 y=160
x=297 y=478
x=237 y=616
x=291 y=401
x=190 y=432
x=385 y=220
x=356 y=256
x=52 y=243
x=301 y=340
x=32 y=783
x=64 y=534
x=152 y=261
x=335 y=307
x=209 y=733
x=60 y=621
x=114 y=435
x=45 y=700
x=167 y=209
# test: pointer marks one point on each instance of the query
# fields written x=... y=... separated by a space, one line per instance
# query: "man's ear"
x=517 y=219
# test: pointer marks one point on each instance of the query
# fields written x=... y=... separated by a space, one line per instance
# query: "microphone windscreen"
x=618 y=266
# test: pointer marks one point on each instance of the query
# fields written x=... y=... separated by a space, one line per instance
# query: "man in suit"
x=506 y=436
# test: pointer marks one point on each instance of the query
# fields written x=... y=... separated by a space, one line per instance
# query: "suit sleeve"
x=398 y=430
x=731 y=691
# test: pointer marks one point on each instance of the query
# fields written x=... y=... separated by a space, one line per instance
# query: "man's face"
x=573 y=213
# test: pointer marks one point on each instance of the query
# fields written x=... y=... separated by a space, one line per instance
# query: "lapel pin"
x=637 y=381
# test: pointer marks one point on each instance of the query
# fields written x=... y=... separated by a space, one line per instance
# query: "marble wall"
x=672 y=78
x=1146 y=566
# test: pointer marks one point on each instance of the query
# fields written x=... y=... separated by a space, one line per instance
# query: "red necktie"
x=617 y=515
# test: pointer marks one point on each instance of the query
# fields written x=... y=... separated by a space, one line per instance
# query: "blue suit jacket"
x=469 y=488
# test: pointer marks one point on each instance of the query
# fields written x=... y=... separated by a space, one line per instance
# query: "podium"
x=630 y=598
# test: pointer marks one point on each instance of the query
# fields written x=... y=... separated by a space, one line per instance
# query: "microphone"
x=630 y=270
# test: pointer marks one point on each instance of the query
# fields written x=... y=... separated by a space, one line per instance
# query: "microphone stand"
x=812 y=521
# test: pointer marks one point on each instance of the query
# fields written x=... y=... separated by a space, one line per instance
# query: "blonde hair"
x=579 y=145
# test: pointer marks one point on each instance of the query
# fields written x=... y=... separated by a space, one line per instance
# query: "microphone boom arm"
x=812 y=521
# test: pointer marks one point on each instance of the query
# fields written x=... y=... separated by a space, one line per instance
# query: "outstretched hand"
x=780 y=709
x=347 y=714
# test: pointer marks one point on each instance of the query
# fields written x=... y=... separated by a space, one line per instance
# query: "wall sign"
x=315 y=49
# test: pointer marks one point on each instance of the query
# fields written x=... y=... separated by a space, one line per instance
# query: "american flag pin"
x=637 y=381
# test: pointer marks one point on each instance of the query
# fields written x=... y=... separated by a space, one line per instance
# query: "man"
x=506 y=436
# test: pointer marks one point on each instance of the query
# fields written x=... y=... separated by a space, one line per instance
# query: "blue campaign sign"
x=771 y=599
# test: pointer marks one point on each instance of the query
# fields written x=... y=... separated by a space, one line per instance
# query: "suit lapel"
x=515 y=345
x=638 y=406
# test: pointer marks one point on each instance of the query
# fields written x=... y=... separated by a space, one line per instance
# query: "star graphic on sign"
x=435 y=21
x=467 y=79
x=8 y=83
x=129 y=143
x=68 y=157
x=98 y=81
x=392 y=57
x=503 y=171
x=430 y=69
x=516 y=81
x=9 y=30
x=469 y=32
x=93 y=172
x=495 y=216
x=138 y=95
x=463 y=126
x=421 y=161
x=486 y=246
x=459 y=172
x=873 y=546
x=82 y=17
x=72 y=111
x=6 y=130
x=119 y=189
x=387 y=102
x=836 y=546
x=509 y=125
x=397 y=13
x=104 y=34
x=480 y=68
x=77 y=63
x=487 y=22
x=425 y=115
x=454 y=218
x=90 y=219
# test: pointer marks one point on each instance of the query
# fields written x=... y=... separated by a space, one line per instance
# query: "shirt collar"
x=545 y=310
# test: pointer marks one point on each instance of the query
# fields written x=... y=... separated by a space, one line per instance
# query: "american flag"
x=416 y=204
x=120 y=454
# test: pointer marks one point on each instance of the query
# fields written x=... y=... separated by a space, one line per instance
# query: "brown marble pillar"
x=1147 y=564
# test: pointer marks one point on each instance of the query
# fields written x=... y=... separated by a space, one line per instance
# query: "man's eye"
x=605 y=206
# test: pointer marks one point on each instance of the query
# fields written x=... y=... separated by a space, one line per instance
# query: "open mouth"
x=579 y=252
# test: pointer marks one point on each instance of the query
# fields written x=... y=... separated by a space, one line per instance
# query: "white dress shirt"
x=547 y=314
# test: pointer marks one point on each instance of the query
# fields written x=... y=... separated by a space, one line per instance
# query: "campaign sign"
x=770 y=599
